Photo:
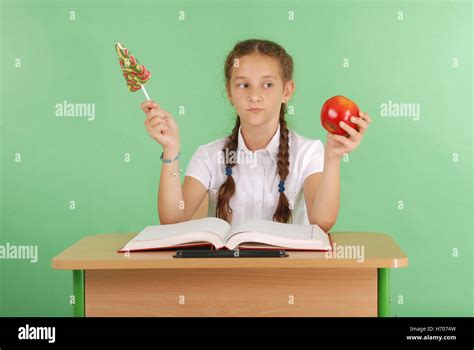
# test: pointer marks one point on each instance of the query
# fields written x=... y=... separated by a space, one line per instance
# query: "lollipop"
x=134 y=72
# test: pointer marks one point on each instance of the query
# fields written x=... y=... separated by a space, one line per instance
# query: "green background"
x=407 y=60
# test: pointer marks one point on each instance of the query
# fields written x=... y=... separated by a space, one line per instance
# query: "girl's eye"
x=238 y=85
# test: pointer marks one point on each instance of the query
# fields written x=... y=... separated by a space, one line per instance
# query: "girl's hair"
x=227 y=189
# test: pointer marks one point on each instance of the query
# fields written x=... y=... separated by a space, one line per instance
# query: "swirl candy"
x=135 y=73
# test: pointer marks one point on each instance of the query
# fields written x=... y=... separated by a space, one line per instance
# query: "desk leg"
x=383 y=284
x=78 y=290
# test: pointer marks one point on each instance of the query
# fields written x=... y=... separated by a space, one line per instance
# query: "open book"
x=219 y=234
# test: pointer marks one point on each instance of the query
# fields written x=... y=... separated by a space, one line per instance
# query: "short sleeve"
x=199 y=166
x=313 y=161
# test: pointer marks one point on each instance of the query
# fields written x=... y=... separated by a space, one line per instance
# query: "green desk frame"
x=383 y=287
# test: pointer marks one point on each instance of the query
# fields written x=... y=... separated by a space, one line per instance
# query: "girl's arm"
x=176 y=203
x=322 y=191
x=170 y=194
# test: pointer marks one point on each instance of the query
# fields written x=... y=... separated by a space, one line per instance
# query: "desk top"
x=100 y=252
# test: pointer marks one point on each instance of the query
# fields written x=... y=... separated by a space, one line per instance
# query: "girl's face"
x=256 y=83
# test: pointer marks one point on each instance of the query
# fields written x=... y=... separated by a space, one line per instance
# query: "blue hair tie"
x=281 y=186
x=228 y=170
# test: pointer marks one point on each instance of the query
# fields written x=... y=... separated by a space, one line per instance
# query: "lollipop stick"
x=146 y=93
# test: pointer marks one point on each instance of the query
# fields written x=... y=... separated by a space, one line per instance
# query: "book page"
x=216 y=226
x=206 y=230
x=291 y=236
x=293 y=231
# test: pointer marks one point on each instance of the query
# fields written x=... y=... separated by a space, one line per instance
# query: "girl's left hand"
x=337 y=145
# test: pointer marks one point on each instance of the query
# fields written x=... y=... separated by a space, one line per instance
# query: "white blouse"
x=255 y=175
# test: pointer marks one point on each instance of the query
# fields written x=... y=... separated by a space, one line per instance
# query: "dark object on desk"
x=237 y=253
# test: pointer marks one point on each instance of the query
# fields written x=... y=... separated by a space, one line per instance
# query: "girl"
x=262 y=170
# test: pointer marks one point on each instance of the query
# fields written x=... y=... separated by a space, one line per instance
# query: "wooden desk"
x=107 y=283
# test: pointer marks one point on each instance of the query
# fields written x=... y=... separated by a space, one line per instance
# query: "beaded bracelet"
x=169 y=160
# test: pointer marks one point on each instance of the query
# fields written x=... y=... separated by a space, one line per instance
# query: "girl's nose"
x=255 y=96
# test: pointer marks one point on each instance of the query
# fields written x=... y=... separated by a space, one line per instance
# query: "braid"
x=283 y=212
x=227 y=189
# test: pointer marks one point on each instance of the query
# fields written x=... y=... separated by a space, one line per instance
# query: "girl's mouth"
x=255 y=110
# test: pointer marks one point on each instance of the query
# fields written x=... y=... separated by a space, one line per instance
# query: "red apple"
x=334 y=110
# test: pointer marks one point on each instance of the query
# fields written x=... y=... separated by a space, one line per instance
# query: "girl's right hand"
x=160 y=125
